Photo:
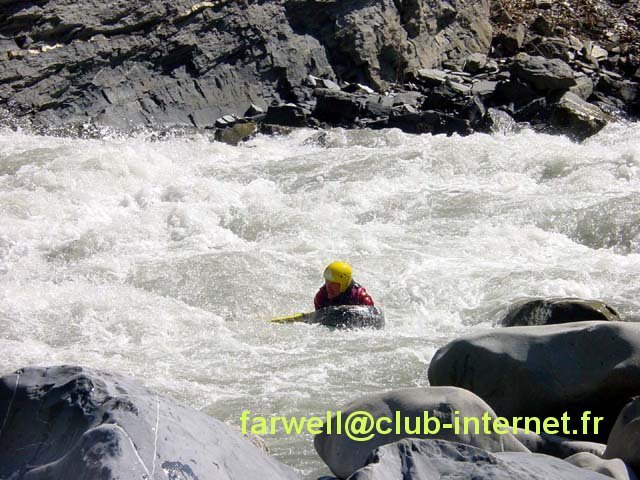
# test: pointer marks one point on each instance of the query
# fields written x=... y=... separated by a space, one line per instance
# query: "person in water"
x=340 y=289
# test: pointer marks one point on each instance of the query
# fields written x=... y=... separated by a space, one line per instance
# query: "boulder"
x=614 y=468
x=557 y=445
x=542 y=73
x=498 y=121
x=542 y=26
x=550 y=47
x=515 y=93
x=430 y=121
x=337 y=107
x=545 y=371
x=376 y=106
x=510 y=41
x=475 y=62
x=414 y=459
x=431 y=77
x=484 y=88
x=628 y=93
x=550 y=311
x=288 y=115
x=583 y=87
x=595 y=53
x=237 y=133
x=535 y=112
x=408 y=98
x=74 y=422
x=344 y=455
x=624 y=438
x=577 y=118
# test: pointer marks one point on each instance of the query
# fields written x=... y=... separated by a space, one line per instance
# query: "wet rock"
x=337 y=107
x=624 y=438
x=544 y=74
x=414 y=459
x=288 y=115
x=344 y=455
x=254 y=110
x=429 y=121
x=614 y=468
x=551 y=311
x=577 y=118
x=73 y=422
x=498 y=121
x=237 y=133
x=522 y=368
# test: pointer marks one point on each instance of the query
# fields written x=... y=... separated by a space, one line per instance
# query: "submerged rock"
x=78 y=423
x=552 y=311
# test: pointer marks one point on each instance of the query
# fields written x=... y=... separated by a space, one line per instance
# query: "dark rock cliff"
x=186 y=63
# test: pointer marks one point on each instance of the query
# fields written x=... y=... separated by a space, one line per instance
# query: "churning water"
x=165 y=259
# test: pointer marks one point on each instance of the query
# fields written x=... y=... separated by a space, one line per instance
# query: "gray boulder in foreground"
x=75 y=423
x=624 y=440
x=547 y=370
x=614 y=468
x=344 y=455
x=551 y=311
x=414 y=459
x=557 y=445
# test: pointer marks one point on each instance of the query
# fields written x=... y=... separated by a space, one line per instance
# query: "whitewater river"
x=165 y=260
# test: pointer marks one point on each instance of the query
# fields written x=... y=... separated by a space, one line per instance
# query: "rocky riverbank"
x=457 y=67
x=73 y=421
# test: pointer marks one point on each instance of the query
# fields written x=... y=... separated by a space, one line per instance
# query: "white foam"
x=165 y=259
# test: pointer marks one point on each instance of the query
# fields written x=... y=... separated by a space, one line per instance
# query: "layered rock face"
x=183 y=63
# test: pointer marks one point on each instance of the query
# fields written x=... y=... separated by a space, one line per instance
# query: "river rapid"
x=165 y=259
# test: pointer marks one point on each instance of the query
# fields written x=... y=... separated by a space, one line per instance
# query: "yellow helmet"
x=339 y=272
